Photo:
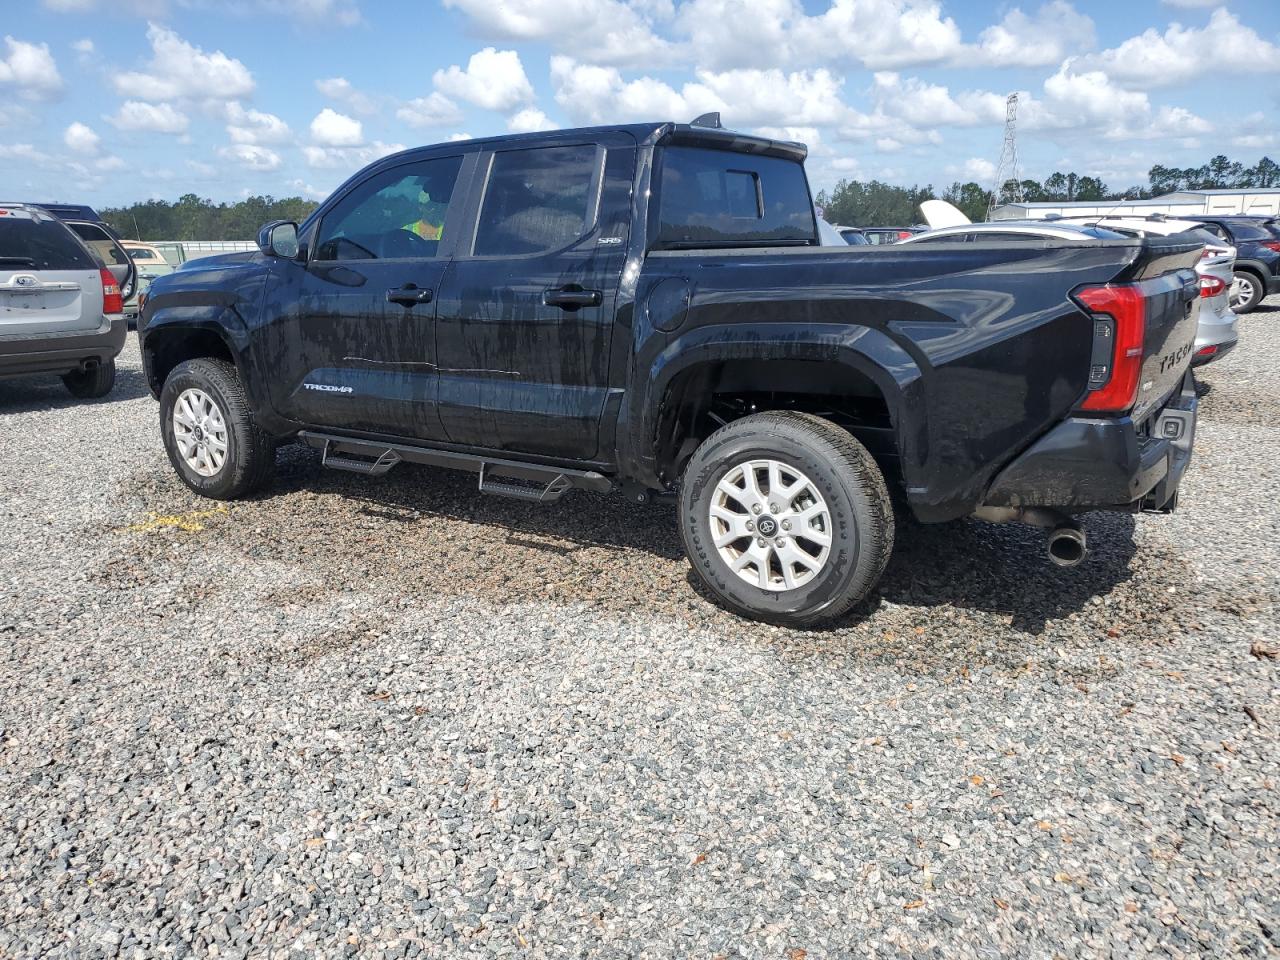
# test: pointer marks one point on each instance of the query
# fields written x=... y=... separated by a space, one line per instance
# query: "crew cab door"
x=351 y=328
x=527 y=312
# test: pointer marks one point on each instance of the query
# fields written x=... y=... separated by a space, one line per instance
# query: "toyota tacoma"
x=647 y=309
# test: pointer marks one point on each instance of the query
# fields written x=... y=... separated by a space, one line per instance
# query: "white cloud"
x=251 y=157
x=81 y=139
x=457 y=137
x=601 y=31
x=529 y=120
x=1194 y=4
x=178 y=70
x=883 y=34
x=494 y=79
x=1056 y=30
x=22 y=151
x=1180 y=54
x=30 y=68
x=919 y=103
x=201 y=169
x=433 y=110
x=153 y=117
x=83 y=47
x=745 y=98
x=108 y=164
x=341 y=90
x=974 y=170
x=255 y=127
x=342 y=13
x=348 y=158
x=333 y=129
x=307 y=190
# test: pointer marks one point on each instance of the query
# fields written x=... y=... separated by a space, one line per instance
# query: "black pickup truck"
x=646 y=309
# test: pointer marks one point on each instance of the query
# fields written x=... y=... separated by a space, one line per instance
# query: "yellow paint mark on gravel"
x=190 y=522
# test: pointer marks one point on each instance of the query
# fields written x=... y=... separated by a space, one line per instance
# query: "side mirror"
x=279 y=238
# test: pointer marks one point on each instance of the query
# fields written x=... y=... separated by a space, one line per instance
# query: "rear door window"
x=398 y=214
x=719 y=198
x=40 y=244
x=537 y=200
x=100 y=242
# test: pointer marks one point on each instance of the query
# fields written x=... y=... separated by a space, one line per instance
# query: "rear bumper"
x=63 y=352
x=1105 y=464
x=1215 y=337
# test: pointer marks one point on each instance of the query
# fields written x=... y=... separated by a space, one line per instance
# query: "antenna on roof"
x=707 y=120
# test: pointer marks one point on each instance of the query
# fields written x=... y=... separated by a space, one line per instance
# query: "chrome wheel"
x=200 y=431
x=770 y=525
x=1242 y=291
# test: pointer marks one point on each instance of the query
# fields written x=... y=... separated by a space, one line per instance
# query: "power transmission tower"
x=1007 y=168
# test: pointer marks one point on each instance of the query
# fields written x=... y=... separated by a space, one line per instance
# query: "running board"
x=504 y=478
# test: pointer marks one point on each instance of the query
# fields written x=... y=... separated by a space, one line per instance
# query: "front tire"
x=786 y=518
x=1247 y=291
x=209 y=432
x=91 y=384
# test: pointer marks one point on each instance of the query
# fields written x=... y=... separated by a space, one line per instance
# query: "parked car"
x=150 y=263
x=101 y=239
x=60 y=309
x=1217 y=334
x=852 y=236
x=1257 y=269
x=646 y=309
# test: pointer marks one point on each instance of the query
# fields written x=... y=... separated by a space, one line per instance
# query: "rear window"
x=716 y=197
x=40 y=245
x=1248 y=231
x=1200 y=235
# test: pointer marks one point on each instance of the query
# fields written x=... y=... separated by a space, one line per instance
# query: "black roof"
x=71 y=211
x=665 y=132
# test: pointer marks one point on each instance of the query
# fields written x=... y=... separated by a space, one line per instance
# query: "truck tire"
x=786 y=518
x=91 y=384
x=1247 y=291
x=209 y=431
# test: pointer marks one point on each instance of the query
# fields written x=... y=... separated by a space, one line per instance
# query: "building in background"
x=1183 y=203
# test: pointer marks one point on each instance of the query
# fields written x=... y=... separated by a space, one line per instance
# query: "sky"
x=112 y=101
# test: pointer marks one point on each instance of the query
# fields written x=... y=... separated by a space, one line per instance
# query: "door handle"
x=572 y=297
x=408 y=295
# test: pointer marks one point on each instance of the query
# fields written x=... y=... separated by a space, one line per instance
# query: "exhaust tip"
x=1067 y=545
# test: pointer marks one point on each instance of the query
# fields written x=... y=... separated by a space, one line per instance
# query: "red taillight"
x=1208 y=351
x=1126 y=308
x=1272 y=245
x=903 y=234
x=112 y=302
x=1211 y=286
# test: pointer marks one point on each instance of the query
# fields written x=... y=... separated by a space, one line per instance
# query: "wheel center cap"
x=199 y=432
x=767 y=526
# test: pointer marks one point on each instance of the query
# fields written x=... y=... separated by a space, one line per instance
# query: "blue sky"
x=110 y=101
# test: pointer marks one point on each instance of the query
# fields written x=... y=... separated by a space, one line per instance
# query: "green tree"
x=195 y=218
x=970 y=199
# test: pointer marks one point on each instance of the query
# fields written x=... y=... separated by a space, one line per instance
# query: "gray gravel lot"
x=393 y=717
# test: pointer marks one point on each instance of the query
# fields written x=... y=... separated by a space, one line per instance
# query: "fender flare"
x=866 y=350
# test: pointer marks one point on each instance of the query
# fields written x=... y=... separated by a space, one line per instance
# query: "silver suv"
x=60 y=307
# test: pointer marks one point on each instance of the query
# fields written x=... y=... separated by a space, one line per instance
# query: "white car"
x=1216 y=335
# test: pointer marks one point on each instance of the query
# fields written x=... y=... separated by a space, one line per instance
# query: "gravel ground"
x=393 y=717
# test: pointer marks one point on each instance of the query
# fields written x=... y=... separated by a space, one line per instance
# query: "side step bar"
x=504 y=478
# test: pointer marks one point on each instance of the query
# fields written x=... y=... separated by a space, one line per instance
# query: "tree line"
x=852 y=202
x=194 y=218
x=876 y=204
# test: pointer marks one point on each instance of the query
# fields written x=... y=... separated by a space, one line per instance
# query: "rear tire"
x=1247 y=291
x=92 y=384
x=786 y=518
x=228 y=456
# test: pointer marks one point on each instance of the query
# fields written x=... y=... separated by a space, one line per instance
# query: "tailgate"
x=50 y=301
x=1165 y=273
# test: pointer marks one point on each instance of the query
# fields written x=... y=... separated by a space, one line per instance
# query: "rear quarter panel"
x=985 y=349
